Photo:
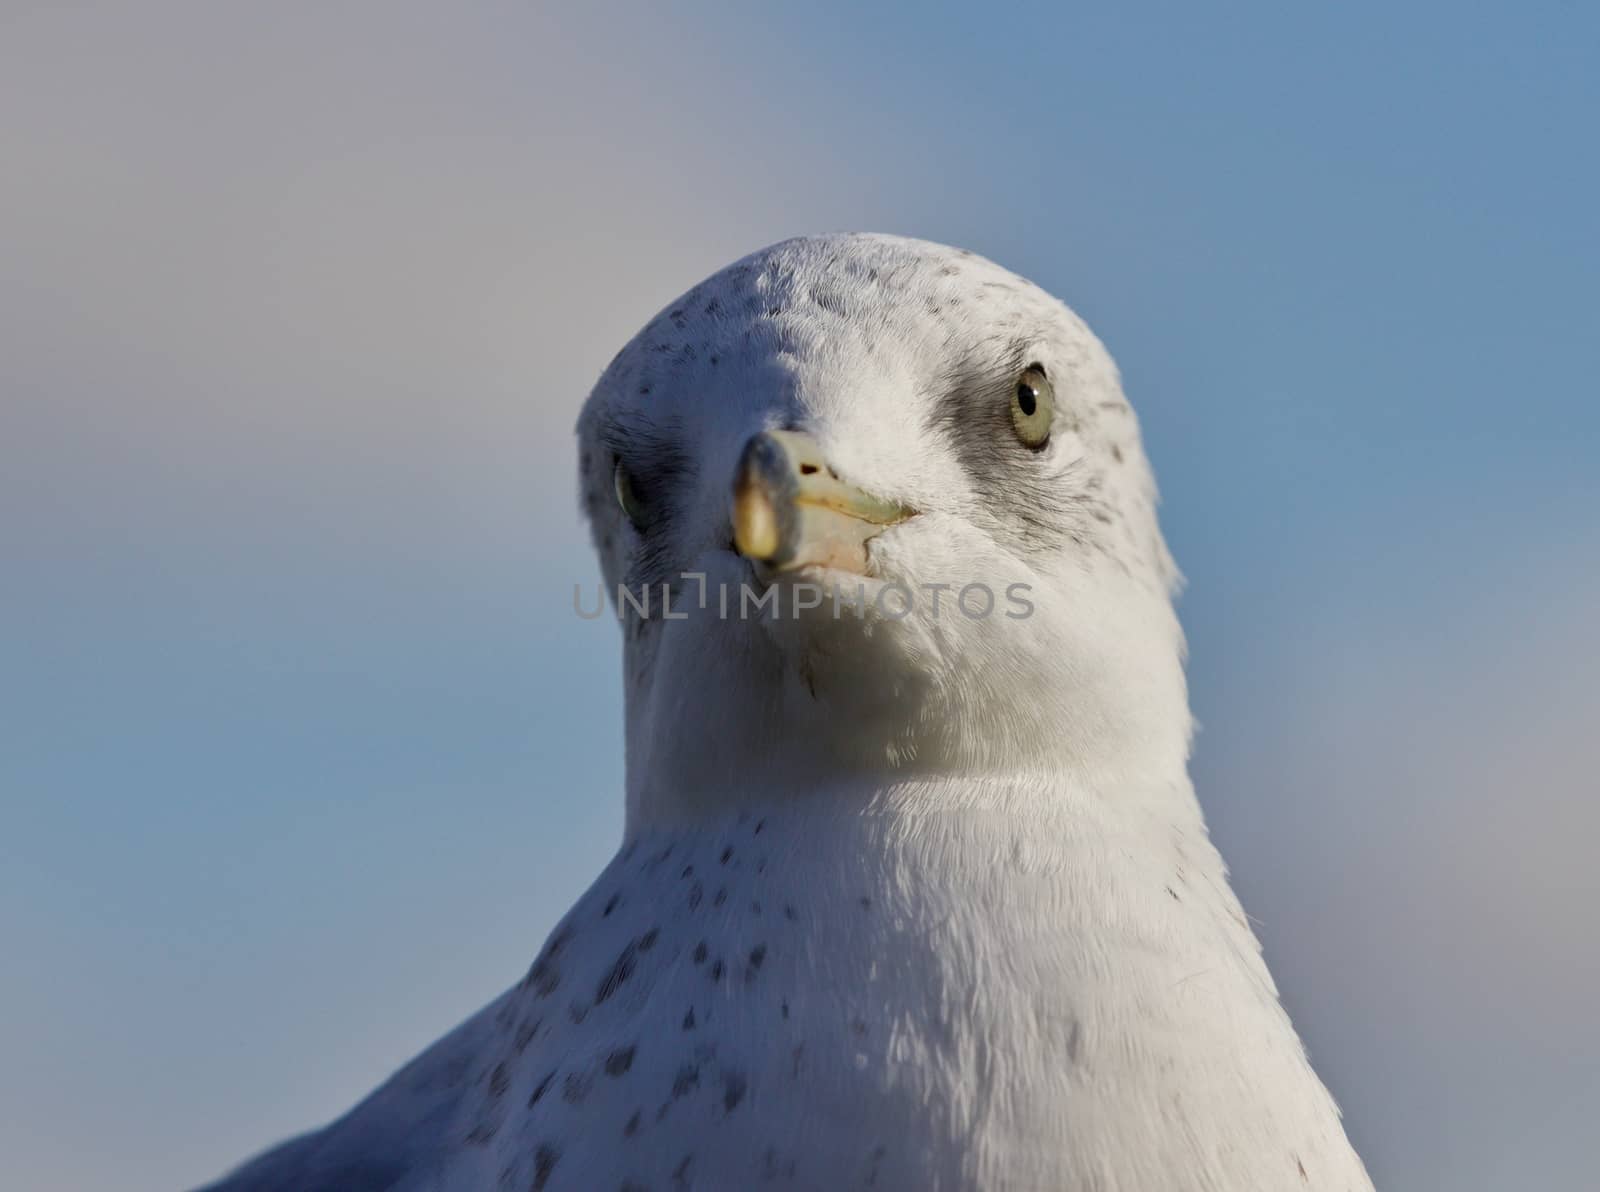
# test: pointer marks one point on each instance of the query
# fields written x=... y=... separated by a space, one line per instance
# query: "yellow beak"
x=791 y=510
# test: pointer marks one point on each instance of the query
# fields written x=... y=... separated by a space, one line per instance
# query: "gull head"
x=869 y=507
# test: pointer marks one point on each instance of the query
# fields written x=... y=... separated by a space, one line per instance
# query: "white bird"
x=914 y=891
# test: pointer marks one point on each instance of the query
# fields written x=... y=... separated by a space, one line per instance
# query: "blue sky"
x=301 y=749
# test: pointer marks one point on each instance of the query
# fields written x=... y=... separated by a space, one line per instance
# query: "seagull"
x=914 y=892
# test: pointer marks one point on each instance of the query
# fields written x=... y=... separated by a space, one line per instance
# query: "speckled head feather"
x=911 y=903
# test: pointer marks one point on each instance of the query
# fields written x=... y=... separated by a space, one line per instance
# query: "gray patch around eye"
x=1028 y=495
x=662 y=473
x=652 y=450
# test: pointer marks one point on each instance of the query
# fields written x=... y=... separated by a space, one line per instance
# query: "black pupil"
x=1027 y=399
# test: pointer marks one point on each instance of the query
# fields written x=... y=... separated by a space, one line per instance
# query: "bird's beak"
x=791 y=510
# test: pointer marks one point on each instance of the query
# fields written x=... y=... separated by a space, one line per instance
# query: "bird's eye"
x=628 y=495
x=1033 y=407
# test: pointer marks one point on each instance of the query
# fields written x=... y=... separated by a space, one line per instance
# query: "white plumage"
x=916 y=902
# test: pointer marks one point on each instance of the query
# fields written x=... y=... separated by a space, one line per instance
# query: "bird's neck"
x=1143 y=784
x=1088 y=705
x=1054 y=808
x=1065 y=872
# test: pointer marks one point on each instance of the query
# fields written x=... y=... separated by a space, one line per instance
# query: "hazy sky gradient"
x=302 y=750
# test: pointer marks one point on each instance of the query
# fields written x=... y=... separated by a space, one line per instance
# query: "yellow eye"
x=628 y=495
x=1033 y=407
